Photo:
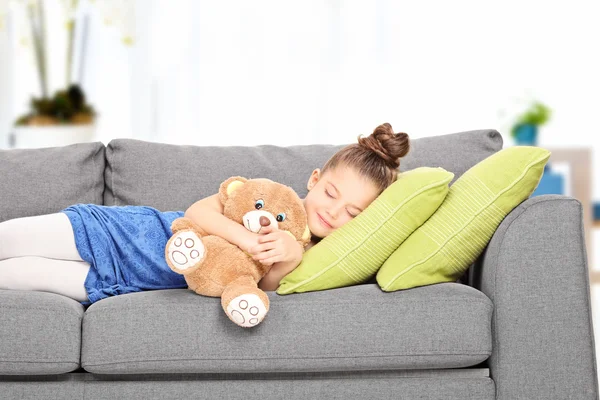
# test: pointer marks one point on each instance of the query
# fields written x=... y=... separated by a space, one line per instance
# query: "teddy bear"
x=214 y=267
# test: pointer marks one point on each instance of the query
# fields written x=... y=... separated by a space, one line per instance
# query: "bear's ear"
x=304 y=240
x=306 y=235
x=230 y=186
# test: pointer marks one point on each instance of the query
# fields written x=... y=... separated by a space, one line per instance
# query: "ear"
x=314 y=178
x=229 y=186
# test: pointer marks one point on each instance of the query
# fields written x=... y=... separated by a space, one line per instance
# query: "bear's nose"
x=264 y=221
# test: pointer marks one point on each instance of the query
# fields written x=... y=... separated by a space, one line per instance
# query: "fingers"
x=271 y=246
x=261 y=248
x=271 y=261
x=269 y=257
x=271 y=237
x=266 y=255
x=264 y=230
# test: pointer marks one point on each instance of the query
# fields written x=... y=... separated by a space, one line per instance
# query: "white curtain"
x=317 y=71
x=6 y=74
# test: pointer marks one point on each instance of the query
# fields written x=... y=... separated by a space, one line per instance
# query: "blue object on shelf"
x=551 y=183
x=597 y=211
x=526 y=134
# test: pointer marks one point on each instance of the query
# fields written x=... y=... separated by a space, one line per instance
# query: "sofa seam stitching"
x=112 y=179
x=588 y=303
x=41 y=309
x=195 y=306
x=43 y=360
x=434 y=354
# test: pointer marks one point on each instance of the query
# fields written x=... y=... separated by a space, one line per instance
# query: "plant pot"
x=52 y=135
x=526 y=135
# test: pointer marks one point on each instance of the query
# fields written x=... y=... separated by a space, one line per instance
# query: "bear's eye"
x=259 y=204
x=280 y=217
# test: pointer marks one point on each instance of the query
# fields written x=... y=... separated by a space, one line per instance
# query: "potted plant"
x=525 y=133
x=525 y=128
x=65 y=117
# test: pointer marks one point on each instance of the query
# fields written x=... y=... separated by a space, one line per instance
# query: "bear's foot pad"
x=246 y=310
x=186 y=250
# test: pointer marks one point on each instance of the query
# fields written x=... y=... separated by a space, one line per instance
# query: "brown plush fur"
x=224 y=269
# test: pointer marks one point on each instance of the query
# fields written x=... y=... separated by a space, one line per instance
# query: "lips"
x=323 y=222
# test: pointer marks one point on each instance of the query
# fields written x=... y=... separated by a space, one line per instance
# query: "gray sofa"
x=517 y=326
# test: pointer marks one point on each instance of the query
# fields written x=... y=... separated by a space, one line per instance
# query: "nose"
x=334 y=210
x=264 y=221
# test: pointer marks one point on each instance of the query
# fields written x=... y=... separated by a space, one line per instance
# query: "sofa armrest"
x=535 y=272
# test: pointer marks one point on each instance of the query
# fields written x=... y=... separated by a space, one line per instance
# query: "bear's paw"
x=246 y=310
x=185 y=251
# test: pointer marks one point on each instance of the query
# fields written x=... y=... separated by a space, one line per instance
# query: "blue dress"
x=125 y=247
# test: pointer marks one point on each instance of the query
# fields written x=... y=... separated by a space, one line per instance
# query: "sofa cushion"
x=354 y=253
x=40 y=333
x=347 y=329
x=172 y=177
x=46 y=180
x=444 y=247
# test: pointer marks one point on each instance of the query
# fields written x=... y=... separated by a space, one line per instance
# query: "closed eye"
x=350 y=214
x=328 y=194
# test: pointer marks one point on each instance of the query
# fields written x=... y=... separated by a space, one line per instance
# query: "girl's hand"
x=248 y=241
x=275 y=246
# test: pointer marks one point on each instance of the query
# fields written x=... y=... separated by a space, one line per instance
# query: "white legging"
x=39 y=253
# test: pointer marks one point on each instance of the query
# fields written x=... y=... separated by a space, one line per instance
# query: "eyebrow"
x=338 y=192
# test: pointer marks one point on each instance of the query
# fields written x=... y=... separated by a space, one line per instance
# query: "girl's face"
x=336 y=197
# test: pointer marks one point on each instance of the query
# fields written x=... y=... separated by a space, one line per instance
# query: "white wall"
x=205 y=72
x=327 y=71
x=6 y=75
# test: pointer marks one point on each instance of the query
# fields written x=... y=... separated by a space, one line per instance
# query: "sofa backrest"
x=172 y=177
x=46 y=180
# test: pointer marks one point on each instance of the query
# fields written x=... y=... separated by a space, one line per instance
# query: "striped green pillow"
x=353 y=253
x=444 y=247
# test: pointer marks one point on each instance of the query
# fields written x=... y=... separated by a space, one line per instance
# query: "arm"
x=271 y=280
x=279 y=249
x=208 y=214
x=535 y=272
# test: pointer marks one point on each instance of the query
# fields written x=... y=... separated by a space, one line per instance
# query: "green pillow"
x=446 y=245
x=353 y=253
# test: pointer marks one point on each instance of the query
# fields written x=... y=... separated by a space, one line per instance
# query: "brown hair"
x=376 y=157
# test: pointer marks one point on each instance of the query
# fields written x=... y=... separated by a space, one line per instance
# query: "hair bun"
x=386 y=144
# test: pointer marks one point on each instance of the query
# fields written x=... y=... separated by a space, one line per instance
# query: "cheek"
x=345 y=218
x=310 y=202
x=310 y=208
